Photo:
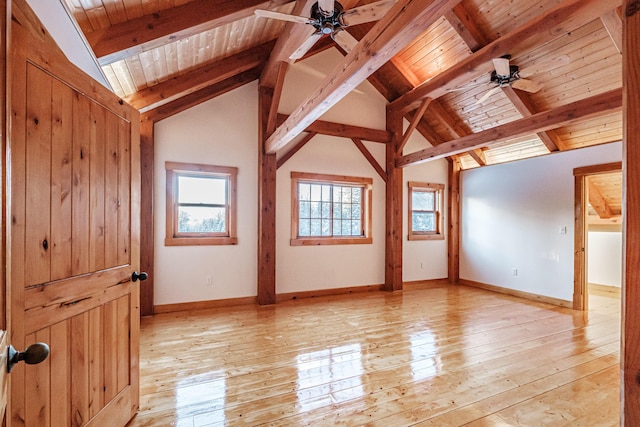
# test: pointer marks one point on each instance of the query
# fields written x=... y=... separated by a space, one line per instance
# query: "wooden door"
x=74 y=184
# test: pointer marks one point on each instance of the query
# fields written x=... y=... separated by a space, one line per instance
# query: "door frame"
x=581 y=200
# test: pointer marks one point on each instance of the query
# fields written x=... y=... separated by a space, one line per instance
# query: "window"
x=201 y=204
x=425 y=211
x=330 y=210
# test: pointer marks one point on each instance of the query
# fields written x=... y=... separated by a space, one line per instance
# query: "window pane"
x=315 y=209
x=421 y=221
x=326 y=210
x=356 y=194
x=346 y=211
x=423 y=200
x=346 y=194
x=356 y=212
x=316 y=227
x=304 y=192
x=316 y=192
x=205 y=190
x=337 y=227
x=337 y=194
x=356 y=228
x=337 y=210
x=305 y=210
x=201 y=220
x=305 y=228
x=326 y=227
x=326 y=193
x=346 y=228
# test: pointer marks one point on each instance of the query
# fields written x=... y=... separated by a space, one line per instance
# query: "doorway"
x=598 y=217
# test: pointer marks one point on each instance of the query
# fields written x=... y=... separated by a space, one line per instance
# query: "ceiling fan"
x=506 y=74
x=328 y=17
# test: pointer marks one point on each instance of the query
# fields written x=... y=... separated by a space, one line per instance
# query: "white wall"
x=224 y=131
x=56 y=20
x=604 y=258
x=511 y=218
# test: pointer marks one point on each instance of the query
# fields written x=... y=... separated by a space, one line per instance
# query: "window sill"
x=426 y=237
x=317 y=241
x=200 y=241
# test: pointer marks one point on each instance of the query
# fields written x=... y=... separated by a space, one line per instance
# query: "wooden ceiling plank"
x=551 y=119
x=457 y=130
x=150 y=31
x=565 y=17
x=206 y=75
x=345 y=131
x=372 y=160
x=292 y=36
x=289 y=154
x=525 y=106
x=203 y=95
x=465 y=26
x=396 y=29
x=598 y=202
x=413 y=124
x=613 y=24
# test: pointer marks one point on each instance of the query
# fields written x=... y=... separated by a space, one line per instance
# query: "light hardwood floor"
x=432 y=355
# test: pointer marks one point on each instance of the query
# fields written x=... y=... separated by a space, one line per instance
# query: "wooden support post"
x=266 y=205
x=630 y=359
x=146 y=215
x=393 y=217
x=453 y=243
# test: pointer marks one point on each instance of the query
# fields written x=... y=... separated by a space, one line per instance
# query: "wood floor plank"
x=436 y=355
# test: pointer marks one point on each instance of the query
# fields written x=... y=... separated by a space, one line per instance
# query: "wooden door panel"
x=74 y=243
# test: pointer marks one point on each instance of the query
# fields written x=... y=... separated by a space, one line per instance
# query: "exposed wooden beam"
x=393 y=207
x=345 y=131
x=598 y=202
x=413 y=124
x=267 y=172
x=630 y=351
x=557 y=117
x=405 y=20
x=565 y=17
x=147 y=240
x=466 y=28
x=453 y=220
x=456 y=129
x=289 y=154
x=290 y=39
x=141 y=34
x=201 y=77
x=613 y=24
x=525 y=106
x=372 y=160
x=275 y=99
x=203 y=95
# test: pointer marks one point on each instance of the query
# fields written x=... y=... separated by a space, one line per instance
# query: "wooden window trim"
x=173 y=170
x=439 y=200
x=367 y=185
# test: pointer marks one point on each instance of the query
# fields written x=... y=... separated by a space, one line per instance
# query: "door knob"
x=33 y=355
x=139 y=276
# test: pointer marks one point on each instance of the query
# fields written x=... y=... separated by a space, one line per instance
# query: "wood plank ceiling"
x=180 y=52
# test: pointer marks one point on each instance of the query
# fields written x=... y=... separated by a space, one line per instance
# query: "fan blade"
x=526 y=85
x=282 y=16
x=306 y=45
x=366 y=13
x=326 y=7
x=487 y=95
x=345 y=40
x=502 y=67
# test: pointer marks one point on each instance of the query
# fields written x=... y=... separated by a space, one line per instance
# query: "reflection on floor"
x=432 y=355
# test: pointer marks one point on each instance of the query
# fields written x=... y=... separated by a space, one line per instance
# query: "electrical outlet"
x=209 y=281
x=421 y=265
x=514 y=272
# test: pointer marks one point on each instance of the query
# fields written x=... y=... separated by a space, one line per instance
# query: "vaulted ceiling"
x=430 y=58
